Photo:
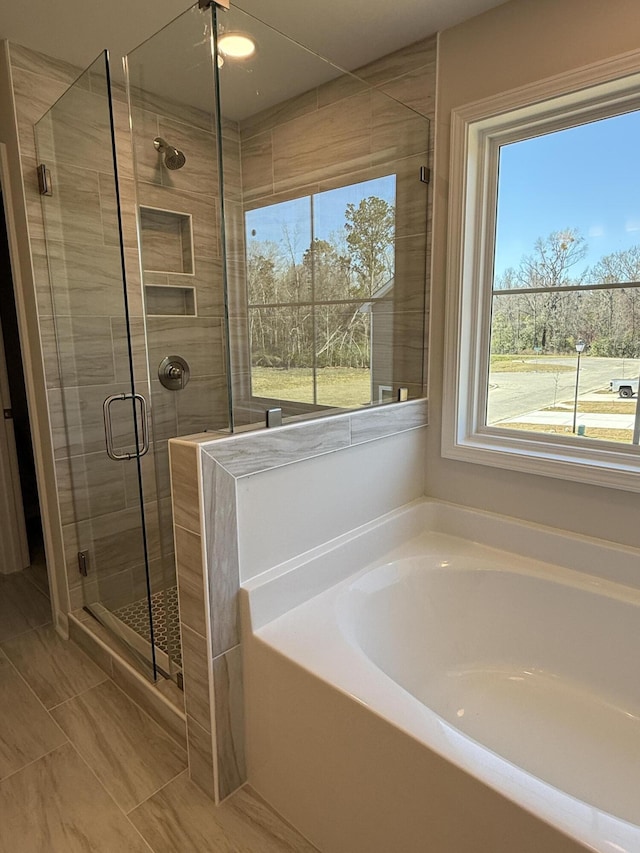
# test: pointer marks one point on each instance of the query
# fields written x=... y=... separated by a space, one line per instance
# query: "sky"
x=266 y=223
x=586 y=177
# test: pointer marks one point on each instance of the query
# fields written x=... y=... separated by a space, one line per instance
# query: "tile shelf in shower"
x=169 y=300
x=167 y=241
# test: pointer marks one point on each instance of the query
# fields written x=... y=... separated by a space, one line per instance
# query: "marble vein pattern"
x=376 y=423
x=222 y=556
x=420 y=54
x=57 y=804
x=196 y=662
x=107 y=728
x=166 y=713
x=27 y=731
x=228 y=692
x=281 y=446
x=184 y=483
x=55 y=669
x=180 y=817
x=191 y=588
x=333 y=140
x=57 y=795
x=201 y=760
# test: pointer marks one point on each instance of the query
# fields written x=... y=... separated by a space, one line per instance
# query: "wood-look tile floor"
x=84 y=770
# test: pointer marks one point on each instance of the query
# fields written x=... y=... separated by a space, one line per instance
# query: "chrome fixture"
x=108 y=432
x=44 y=180
x=173 y=372
x=273 y=417
x=173 y=158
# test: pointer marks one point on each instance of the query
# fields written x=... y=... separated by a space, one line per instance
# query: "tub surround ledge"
x=207 y=471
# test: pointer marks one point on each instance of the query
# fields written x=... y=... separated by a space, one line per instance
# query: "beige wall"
x=518 y=43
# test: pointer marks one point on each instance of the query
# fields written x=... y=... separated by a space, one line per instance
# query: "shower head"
x=173 y=159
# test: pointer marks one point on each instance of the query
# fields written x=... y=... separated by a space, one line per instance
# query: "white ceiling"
x=350 y=32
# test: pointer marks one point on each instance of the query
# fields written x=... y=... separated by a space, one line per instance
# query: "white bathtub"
x=450 y=696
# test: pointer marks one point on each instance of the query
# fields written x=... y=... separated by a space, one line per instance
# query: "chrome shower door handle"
x=108 y=431
x=144 y=412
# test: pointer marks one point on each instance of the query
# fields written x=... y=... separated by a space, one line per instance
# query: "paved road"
x=513 y=394
x=588 y=419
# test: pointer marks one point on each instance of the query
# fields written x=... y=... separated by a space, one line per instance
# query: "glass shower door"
x=176 y=142
x=99 y=416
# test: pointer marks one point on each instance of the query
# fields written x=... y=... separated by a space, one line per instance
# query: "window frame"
x=600 y=90
x=312 y=302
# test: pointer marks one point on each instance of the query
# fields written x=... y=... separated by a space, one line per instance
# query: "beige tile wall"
x=96 y=499
x=343 y=132
x=194 y=614
x=192 y=191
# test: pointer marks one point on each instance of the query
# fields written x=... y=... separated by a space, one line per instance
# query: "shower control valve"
x=173 y=372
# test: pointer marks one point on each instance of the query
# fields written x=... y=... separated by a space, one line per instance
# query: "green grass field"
x=337 y=386
x=526 y=364
x=611 y=407
x=621 y=435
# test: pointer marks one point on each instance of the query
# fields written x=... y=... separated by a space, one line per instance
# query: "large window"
x=317 y=267
x=545 y=284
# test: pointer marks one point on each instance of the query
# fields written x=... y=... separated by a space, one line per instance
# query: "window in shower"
x=320 y=277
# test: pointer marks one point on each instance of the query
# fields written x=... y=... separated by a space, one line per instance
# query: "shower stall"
x=239 y=228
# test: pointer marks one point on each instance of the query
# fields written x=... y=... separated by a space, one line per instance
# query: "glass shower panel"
x=99 y=419
x=175 y=135
x=325 y=215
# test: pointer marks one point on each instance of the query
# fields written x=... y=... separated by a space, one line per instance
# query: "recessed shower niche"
x=167 y=241
x=166 y=238
x=168 y=300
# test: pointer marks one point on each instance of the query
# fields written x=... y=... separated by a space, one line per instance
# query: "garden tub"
x=449 y=695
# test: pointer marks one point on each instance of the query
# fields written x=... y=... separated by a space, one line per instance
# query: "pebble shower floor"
x=166 y=621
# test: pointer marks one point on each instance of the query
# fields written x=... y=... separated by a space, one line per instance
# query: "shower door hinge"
x=8 y=414
x=83 y=563
x=44 y=180
x=425 y=175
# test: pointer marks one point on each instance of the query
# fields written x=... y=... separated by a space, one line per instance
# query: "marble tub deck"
x=83 y=768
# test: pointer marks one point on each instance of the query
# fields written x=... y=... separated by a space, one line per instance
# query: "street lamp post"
x=580 y=345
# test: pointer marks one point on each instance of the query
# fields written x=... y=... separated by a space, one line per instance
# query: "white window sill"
x=612 y=466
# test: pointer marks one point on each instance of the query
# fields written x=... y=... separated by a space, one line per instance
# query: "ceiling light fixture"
x=236 y=46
